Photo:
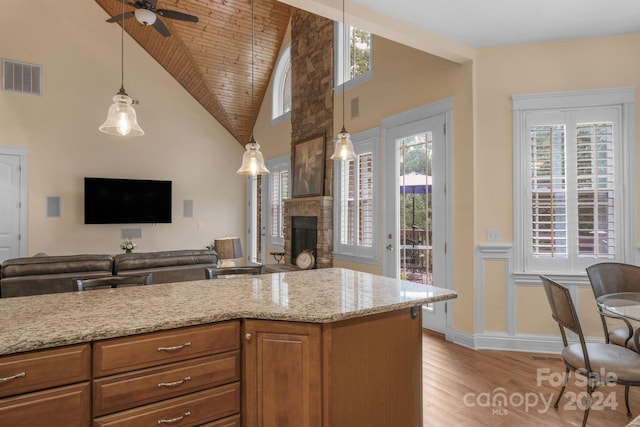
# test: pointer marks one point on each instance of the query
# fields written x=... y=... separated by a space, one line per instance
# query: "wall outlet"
x=493 y=234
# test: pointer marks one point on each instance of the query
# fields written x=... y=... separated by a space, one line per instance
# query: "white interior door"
x=12 y=194
x=416 y=220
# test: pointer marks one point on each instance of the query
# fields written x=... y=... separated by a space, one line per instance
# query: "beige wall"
x=80 y=56
x=546 y=67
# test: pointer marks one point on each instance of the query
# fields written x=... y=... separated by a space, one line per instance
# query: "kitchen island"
x=328 y=347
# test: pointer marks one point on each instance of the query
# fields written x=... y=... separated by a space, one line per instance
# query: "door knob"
x=389 y=247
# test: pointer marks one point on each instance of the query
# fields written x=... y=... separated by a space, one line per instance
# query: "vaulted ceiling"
x=211 y=59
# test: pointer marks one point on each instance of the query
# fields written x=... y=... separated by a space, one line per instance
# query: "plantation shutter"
x=548 y=191
x=365 y=199
x=595 y=182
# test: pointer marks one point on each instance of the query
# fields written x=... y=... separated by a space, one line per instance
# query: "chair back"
x=562 y=309
x=112 y=282
x=613 y=277
x=216 y=272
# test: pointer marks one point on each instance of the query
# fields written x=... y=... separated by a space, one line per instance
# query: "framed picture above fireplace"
x=308 y=167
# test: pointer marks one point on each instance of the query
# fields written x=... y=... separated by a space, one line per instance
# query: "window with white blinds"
x=572 y=173
x=279 y=191
x=277 y=188
x=355 y=189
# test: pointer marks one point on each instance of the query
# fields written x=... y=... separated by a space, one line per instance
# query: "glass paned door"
x=416 y=250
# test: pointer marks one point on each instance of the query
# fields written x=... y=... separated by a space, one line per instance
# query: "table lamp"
x=228 y=249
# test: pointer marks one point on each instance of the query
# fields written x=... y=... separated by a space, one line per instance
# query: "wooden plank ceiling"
x=211 y=59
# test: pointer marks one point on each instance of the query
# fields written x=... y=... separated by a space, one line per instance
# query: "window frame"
x=282 y=68
x=340 y=68
x=621 y=101
x=276 y=165
x=366 y=141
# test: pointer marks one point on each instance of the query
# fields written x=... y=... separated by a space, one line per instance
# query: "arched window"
x=281 y=96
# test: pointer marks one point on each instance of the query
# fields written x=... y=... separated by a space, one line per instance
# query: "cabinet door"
x=282 y=374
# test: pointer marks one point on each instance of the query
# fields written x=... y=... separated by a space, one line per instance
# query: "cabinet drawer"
x=157 y=348
x=227 y=422
x=125 y=391
x=42 y=369
x=59 y=407
x=190 y=410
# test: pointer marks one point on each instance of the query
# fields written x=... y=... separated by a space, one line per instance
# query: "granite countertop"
x=318 y=296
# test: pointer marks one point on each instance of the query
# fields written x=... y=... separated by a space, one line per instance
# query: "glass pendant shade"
x=121 y=117
x=252 y=160
x=344 y=147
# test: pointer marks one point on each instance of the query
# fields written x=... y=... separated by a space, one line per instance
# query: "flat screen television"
x=126 y=201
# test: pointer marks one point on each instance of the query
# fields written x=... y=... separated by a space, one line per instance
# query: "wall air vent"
x=21 y=77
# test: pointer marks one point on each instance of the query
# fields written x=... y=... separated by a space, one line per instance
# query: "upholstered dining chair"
x=112 y=282
x=217 y=272
x=609 y=278
x=598 y=362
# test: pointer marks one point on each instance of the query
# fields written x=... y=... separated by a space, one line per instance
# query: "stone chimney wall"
x=312 y=115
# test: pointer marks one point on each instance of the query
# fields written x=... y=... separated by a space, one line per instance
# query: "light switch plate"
x=493 y=234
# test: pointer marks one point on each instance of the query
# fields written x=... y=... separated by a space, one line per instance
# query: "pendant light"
x=344 y=146
x=252 y=160
x=121 y=117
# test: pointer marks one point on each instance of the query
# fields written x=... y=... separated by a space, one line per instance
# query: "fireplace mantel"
x=320 y=207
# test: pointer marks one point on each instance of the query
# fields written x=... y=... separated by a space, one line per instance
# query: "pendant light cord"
x=252 y=60
x=122 y=52
x=344 y=63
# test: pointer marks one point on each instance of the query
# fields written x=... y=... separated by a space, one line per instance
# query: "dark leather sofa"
x=52 y=274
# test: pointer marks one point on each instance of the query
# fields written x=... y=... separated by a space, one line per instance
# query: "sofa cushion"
x=32 y=266
x=50 y=274
x=166 y=266
x=142 y=260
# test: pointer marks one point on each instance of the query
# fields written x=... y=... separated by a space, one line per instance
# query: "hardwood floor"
x=462 y=388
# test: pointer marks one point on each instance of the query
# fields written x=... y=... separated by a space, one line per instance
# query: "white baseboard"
x=500 y=341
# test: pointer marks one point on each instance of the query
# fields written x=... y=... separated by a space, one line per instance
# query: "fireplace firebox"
x=304 y=236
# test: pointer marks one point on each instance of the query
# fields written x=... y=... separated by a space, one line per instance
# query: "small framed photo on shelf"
x=308 y=167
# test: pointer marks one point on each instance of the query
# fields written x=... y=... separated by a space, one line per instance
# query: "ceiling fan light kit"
x=145 y=17
x=147 y=14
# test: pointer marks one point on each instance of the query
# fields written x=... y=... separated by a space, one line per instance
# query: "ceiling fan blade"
x=173 y=14
x=162 y=29
x=119 y=18
x=152 y=3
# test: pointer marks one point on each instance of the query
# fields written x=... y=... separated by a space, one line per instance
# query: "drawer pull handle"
x=174 y=383
x=175 y=347
x=13 y=377
x=174 y=420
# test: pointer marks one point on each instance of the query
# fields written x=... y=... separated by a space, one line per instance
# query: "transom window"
x=353 y=54
x=572 y=174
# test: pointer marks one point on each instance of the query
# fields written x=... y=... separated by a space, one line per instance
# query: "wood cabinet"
x=359 y=372
x=281 y=377
x=46 y=388
x=188 y=376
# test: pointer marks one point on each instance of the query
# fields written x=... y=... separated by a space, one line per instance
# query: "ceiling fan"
x=147 y=14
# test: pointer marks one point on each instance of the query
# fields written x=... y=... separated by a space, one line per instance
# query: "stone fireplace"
x=299 y=213
x=311 y=114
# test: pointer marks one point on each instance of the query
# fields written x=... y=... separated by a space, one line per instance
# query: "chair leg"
x=565 y=380
x=626 y=399
x=590 y=390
